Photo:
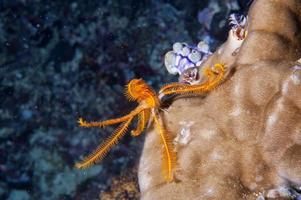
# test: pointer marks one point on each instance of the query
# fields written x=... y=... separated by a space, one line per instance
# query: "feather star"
x=147 y=111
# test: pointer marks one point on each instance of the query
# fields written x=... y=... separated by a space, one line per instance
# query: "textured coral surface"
x=242 y=140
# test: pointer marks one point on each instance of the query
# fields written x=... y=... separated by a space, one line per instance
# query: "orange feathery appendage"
x=220 y=70
x=214 y=76
x=143 y=118
x=188 y=89
x=169 y=155
x=174 y=86
x=207 y=72
x=103 y=149
x=171 y=86
x=84 y=123
x=138 y=90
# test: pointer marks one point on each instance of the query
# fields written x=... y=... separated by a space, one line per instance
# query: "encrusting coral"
x=243 y=139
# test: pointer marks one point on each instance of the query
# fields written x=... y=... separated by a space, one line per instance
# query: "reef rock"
x=242 y=140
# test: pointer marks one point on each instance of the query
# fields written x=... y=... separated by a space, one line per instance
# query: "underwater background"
x=61 y=60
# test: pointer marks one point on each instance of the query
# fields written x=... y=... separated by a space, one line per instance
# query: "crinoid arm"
x=219 y=70
x=103 y=148
x=169 y=155
x=169 y=88
x=188 y=89
x=84 y=123
x=214 y=78
x=143 y=118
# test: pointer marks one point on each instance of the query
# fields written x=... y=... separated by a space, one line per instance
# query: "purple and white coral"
x=184 y=57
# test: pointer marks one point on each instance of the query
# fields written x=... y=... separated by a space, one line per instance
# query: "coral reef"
x=60 y=60
x=124 y=187
x=242 y=140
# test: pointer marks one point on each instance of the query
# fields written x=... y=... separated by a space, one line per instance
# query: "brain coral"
x=242 y=140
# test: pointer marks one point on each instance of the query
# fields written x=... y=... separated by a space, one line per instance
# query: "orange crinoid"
x=148 y=111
